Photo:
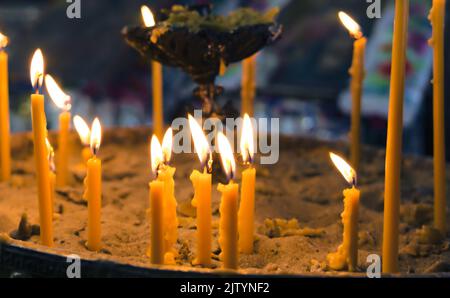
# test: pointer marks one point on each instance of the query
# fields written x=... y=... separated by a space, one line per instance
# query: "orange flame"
x=344 y=168
x=247 y=146
x=61 y=99
x=3 y=41
x=351 y=25
x=156 y=155
x=167 y=145
x=96 y=136
x=37 y=69
x=200 y=142
x=82 y=129
x=226 y=155
x=147 y=16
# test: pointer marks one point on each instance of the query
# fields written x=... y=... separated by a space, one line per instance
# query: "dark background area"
x=299 y=78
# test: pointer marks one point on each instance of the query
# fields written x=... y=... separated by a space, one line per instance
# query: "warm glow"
x=3 y=41
x=61 y=99
x=147 y=16
x=156 y=155
x=349 y=23
x=167 y=145
x=200 y=142
x=96 y=136
x=247 y=146
x=83 y=130
x=50 y=155
x=343 y=167
x=226 y=155
x=37 y=69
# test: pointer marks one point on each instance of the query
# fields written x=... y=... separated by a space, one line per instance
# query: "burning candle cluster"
x=236 y=227
x=236 y=231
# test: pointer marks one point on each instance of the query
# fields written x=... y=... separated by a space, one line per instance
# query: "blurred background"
x=302 y=79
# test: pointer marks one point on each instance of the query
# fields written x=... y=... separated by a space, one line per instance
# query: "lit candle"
x=394 y=139
x=39 y=124
x=62 y=101
x=357 y=73
x=156 y=205
x=437 y=18
x=5 y=149
x=52 y=168
x=93 y=192
x=202 y=183
x=85 y=135
x=347 y=253
x=248 y=85
x=157 y=80
x=246 y=215
x=170 y=219
x=228 y=224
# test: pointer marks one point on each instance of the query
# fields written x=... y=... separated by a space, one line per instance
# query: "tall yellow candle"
x=85 y=134
x=158 y=118
x=347 y=253
x=62 y=101
x=157 y=80
x=93 y=193
x=228 y=224
x=394 y=139
x=156 y=222
x=170 y=203
x=157 y=250
x=246 y=215
x=5 y=149
x=202 y=183
x=357 y=73
x=437 y=18
x=39 y=124
x=248 y=85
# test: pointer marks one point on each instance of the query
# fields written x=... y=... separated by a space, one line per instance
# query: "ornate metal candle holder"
x=201 y=43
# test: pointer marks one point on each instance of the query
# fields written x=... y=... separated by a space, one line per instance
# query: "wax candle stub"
x=170 y=212
x=346 y=256
x=228 y=225
x=202 y=201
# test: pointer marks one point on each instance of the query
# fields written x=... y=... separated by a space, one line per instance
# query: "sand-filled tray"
x=298 y=205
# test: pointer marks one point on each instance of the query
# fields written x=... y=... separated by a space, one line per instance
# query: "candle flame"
x=350 y=24
x=96 y=136
x=50 y=155
x=37 y=69
x=61 y=99
x=3 y=41
x=147 y=16
x=247 y=146
x=156 y=155
x=200 y=142
x=82 y=129
x=344 y=168
x=226 y=155
x=167 y=145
